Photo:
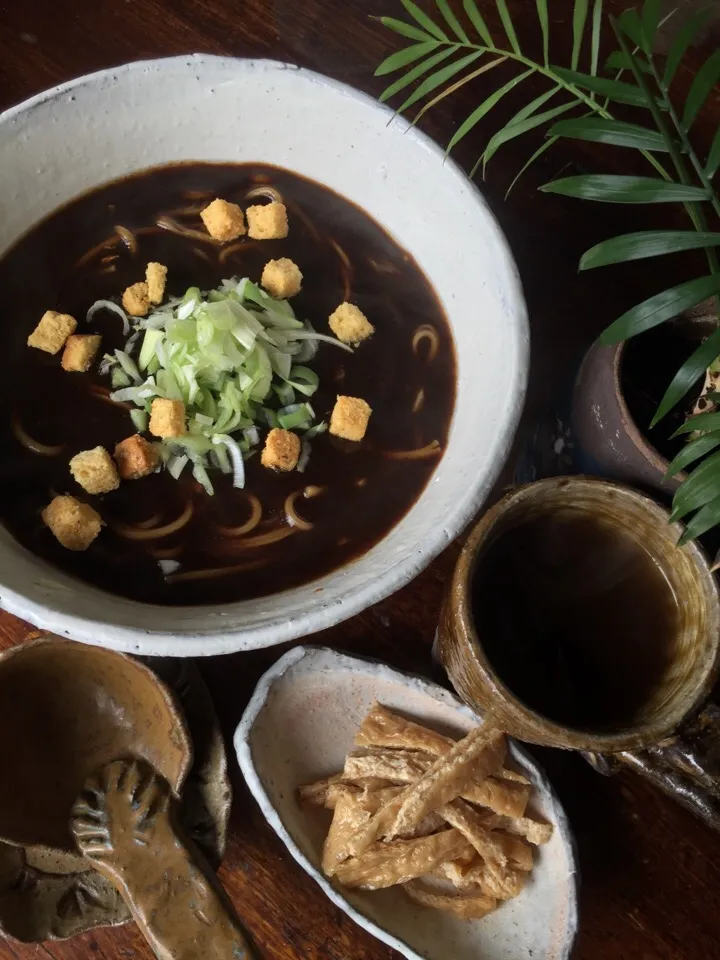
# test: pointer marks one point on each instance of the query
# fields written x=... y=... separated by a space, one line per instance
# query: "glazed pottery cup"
x=693 y=666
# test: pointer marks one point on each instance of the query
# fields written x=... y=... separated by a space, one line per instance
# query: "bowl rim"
x=214 y=640
x=241 y=743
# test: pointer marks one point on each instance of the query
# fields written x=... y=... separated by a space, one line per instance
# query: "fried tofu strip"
x=317 y=793
x=348 y=818
x=477 y=756
x=504 y=797
x=466 y=907
x=383 y=728
x=502 y=883
x=386 y=864
x=493 y=846
x=534 y=831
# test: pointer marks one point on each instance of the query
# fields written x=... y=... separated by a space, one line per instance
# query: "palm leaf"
x=485 y=107
x=452 y=21
x=619 y=60
x=508 y=25
x=682 y=42
x=700 y=487
x=644 y=244
x=661 y=307
x=403 y=58
x=629 y=23
x=650 y=20
x=439 y=77
x=542 y=12
x=713 y=160
x=702 y=421
x=518 y=127
x=613 y=89
x=614 y=132
x=416 y=72
x=613 y=188
x=476 y=18
x=703 y=84
x=703 y=521
x=596 y=36
x=404 y=29
x=426 y=22
x=528 y=163
x=688 y=375
x=456 y=86
x=580 y=12
x=693 y=451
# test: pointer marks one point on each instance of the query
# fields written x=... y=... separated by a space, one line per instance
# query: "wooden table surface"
x=650 y=873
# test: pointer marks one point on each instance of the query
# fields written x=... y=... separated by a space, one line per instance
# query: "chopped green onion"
x=230 y=355
x=118 y=378
x=285 y=393
x=140 y=419
x=176 y=465
x=128 y=365
x=149 y=346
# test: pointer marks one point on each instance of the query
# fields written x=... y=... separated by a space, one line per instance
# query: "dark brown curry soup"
x=365 y=493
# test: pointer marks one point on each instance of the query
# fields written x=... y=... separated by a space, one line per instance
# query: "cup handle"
x=685 y=766
x=124 y=824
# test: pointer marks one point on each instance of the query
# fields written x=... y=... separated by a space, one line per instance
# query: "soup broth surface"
x=360 y=490
x=576 y=618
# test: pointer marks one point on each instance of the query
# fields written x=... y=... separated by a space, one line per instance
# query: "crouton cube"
x=95 y=471
x=350 y=324
x=155 y=277
x=167 y=418
x=79 y=353
x=281 y=278
x=281 y=450
x=267 y=221
x=136 y=458
x=74 y=524
x=223 y=221
x=136 y=299
x=349 y=418
x=52 y=331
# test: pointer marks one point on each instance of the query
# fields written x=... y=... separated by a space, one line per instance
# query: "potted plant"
x=448 y=49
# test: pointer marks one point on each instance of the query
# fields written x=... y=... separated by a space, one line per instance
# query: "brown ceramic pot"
x=93 y=755
x=685 y=684
x=608 y=441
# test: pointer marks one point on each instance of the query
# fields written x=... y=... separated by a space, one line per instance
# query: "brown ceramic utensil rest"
x=695 y=659
x=93 y=754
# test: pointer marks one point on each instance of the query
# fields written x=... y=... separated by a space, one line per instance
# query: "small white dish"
x=208 y=108
x=298 y=727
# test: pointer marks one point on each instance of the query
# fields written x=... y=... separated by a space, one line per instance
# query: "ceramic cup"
x=693 y=668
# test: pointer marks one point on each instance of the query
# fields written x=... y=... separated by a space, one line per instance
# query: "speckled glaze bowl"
x=687 y=681
x=300 y=724
x=218 y=109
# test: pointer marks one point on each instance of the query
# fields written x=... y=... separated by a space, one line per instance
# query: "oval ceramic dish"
x=300 y=724
x=212 y=108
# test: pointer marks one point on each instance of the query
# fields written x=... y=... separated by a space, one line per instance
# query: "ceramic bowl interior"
x=192 y=108
x=65 y=711
x=300 y=725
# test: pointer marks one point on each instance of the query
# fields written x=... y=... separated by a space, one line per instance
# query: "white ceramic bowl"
x=299 y=726
x=108 y=124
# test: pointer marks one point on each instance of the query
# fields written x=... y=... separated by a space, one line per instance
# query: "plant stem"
x=694 y=211
x=685 y=141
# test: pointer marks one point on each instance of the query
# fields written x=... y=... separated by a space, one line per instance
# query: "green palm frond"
x=579 y=102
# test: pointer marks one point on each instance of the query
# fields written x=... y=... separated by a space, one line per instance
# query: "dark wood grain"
x=650 y=872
